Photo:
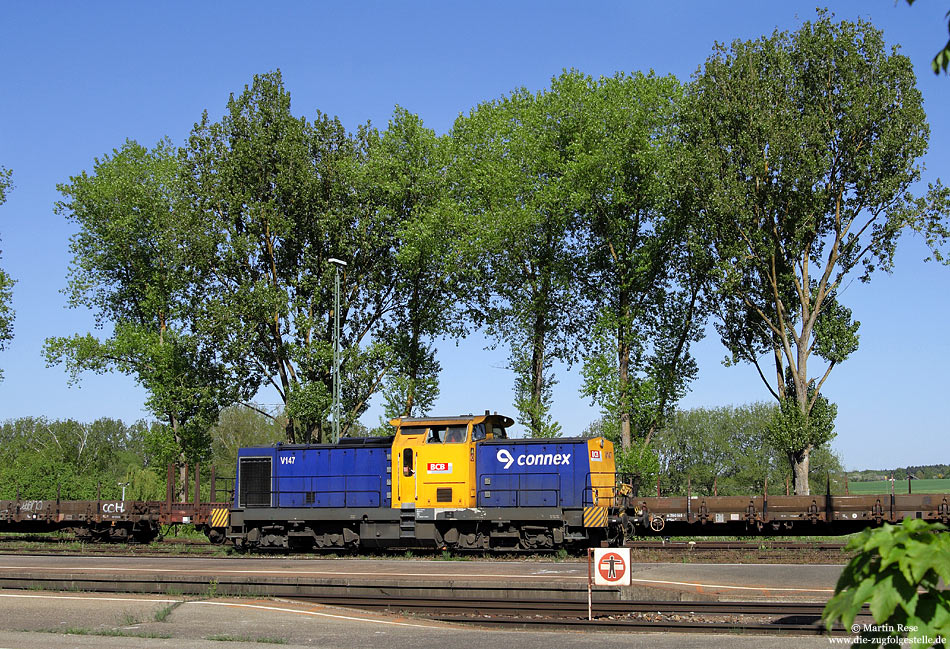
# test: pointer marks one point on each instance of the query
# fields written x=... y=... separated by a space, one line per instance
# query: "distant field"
x=900 y=487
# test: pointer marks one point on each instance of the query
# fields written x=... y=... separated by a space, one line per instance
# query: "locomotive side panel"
x=317 y=476
x=570 y=473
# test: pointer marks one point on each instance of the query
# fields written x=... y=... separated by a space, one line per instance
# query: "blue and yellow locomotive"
x=439 y=482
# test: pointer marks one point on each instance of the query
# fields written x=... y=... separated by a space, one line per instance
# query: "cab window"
x=455 y=434
x=478 y=432
x=498 y=432
x=435 y=436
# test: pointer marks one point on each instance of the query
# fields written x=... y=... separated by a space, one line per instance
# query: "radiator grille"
x=255 y=482
x=443 y=495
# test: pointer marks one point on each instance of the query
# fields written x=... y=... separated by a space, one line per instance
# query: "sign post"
x=606 y=567
x=590 y=599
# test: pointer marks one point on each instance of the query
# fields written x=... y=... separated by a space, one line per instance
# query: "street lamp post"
x=338 y=264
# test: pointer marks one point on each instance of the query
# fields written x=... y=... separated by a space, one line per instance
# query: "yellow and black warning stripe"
x=219 y=517
x=595 y=517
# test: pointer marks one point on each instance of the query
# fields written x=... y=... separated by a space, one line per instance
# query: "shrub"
x=897 y=572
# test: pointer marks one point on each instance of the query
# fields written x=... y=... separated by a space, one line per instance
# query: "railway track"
x=702 y=616
x=673 y=546
x=171 y=545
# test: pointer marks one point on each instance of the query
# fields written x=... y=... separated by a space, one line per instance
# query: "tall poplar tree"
x=278 y=197
x=131 y=267
x=6 y=282
x=406 y=171
x=273 y=193
x=644 y=267
x=508 y=171
x=807 y=148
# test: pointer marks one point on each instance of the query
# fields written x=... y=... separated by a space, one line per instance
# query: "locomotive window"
x=407 y=462
x=436 y=436
x=455 y=434
x=498 y=432
x=478 y=432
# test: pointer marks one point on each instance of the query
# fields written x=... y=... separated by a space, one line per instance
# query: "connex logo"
x=535 y=459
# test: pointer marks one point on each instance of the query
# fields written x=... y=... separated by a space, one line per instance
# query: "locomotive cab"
x=433 y=458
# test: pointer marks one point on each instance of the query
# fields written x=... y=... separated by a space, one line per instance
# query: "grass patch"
x=923 y=486
x=448 y=556
x=245 y=638
x=162 y=614
x=113 y=633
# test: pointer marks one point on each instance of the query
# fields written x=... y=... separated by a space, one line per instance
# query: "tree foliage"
x=277 y=197
x=271 y=193
x=589 y=219
x=239 y=427
x=508 y=169
x=6 y=282
x=574 y=225
x=39 y=457
x=897 y=572
x=408 y=169
x=729 y=450
x=805 y=145
x=131 y=267
x=642 y=275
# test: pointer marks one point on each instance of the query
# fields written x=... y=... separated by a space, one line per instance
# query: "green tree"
x=728 y=450
x=508 y=174
x=806 y=147
x=239 y=427
x=642 y=272
x=41 y=456
x=278 y=196
x=407 y=168
x=897 y=572
x=6 y=282
x=131 y=268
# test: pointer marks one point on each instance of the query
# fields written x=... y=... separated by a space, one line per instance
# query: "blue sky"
x=80 y=78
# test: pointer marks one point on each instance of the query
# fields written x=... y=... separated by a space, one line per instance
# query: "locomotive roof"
x=459 y=419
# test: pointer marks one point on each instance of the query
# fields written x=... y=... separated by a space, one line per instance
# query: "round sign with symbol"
x=612 y=567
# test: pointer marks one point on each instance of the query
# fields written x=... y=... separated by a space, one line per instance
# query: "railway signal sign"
x=612 y=566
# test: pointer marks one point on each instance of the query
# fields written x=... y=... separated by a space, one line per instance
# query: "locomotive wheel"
x=629 y=528
x=215 y=535
x=145 y=536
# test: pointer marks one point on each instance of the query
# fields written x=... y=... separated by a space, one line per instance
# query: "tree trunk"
x=182 y=459
x=623 y=364
x=537 y=377
x=414 y=355
x=799 y=462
